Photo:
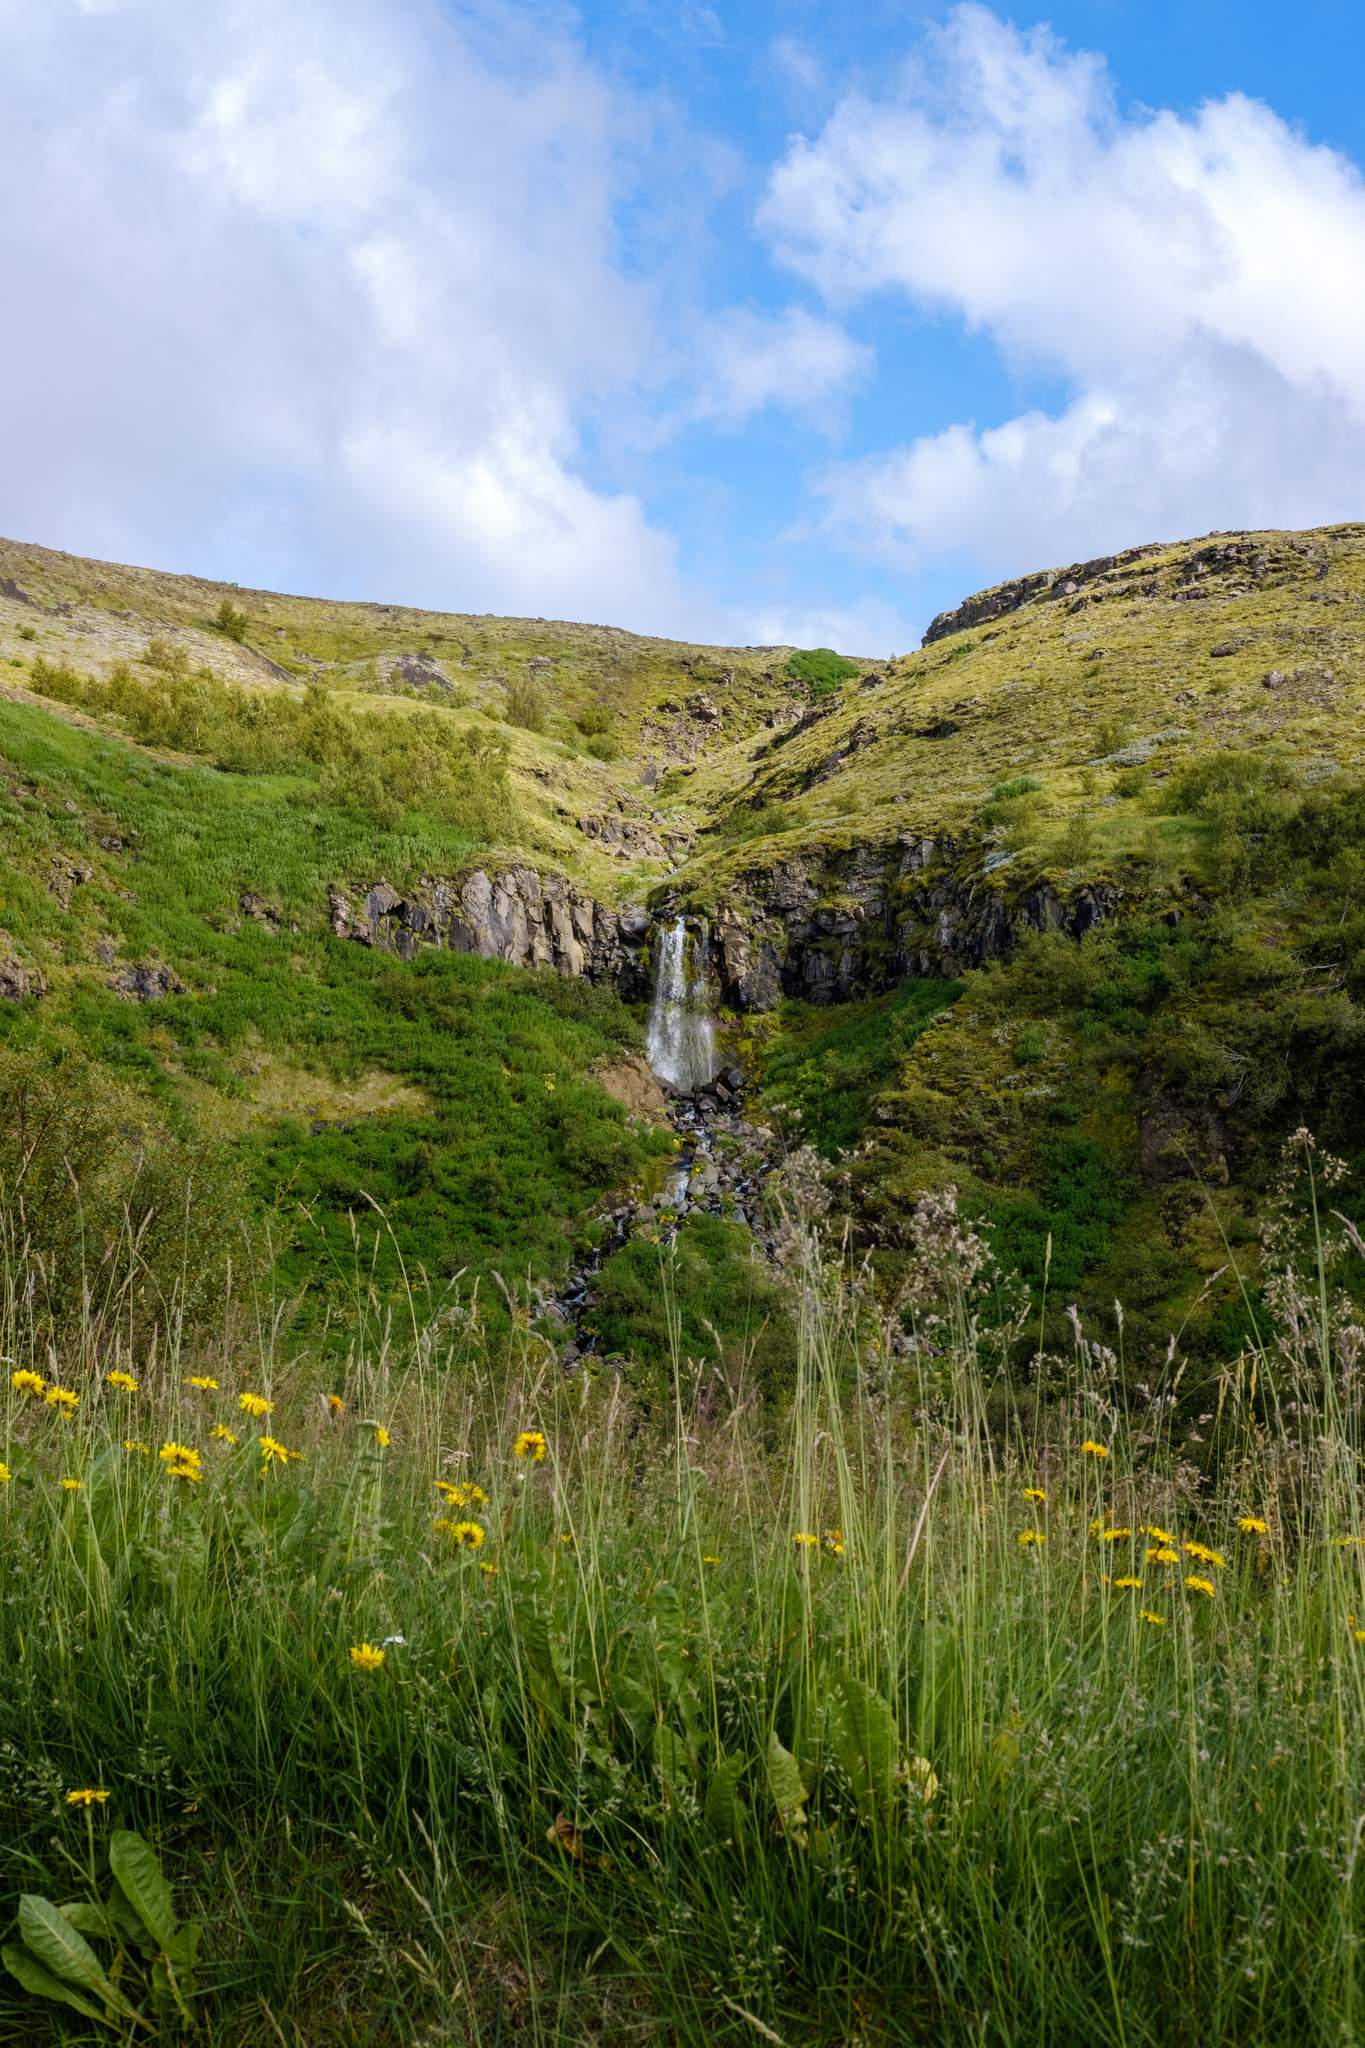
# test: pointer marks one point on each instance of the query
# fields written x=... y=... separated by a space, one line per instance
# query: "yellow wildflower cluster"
x=462 y=1493
x=464 y=1535
x=182 y=1461
x=530 y=1444
x=124 y=1381
x=255 y=1405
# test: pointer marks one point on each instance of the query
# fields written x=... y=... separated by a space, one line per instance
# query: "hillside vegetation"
x=932 y=1613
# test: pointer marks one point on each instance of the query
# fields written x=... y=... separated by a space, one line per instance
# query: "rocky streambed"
x=721 y=1168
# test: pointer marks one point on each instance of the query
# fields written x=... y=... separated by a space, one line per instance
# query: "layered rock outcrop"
x=516 y=915
x=857 y=922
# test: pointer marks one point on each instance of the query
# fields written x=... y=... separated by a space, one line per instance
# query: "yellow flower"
x=1162 y=1554
x=490 y=1571
x=24 y=1382
x=365 y=1657
x=1157 y=1620
x=1359 y=1634
x=131 y=1443
x=124 y=1381
x=1097 y=1527
x=62 y=1398
x=336 y=1404
x=184 y=1470
x=530 y=1444
x=1161 y=1535
x=255 y=1405
x=222 y=1433
x=89 y=1795
x=274 y=1452
x=179 y=1454
x=549 y=1084
x=464 y=1535
x=463 y=1493
x=1028 y=1536
x=1204 y=1555
x=1034 y=1493
x=1252 y=1525
x=1125 y=1584
x=381 y=1436
x=204 y=1382
x=1200 y=1586
x=805 y=1539
x=707 y=1559
x=567 y=1537
x=1113 y=1535
x=72 y=1485
x=834 y=1542
x=5 y=1475
x=1095 y=1450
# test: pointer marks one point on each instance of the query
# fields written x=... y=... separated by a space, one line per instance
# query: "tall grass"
x=838 y=1728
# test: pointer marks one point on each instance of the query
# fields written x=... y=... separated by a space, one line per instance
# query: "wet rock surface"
x=722 y=1166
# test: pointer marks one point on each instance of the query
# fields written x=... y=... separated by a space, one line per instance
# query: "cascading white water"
x=681 y=1040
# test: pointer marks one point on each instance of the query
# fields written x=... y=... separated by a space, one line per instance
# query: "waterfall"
x=681 y=1039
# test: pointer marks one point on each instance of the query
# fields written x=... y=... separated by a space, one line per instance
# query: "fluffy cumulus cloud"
x=326 y=292
x=793 y=359
x=1196 y=280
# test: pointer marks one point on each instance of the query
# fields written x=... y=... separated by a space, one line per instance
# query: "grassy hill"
x=1175 y=735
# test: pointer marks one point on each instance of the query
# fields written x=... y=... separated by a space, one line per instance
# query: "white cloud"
x=1198 y=280
x=326 y=293
x=792 y=360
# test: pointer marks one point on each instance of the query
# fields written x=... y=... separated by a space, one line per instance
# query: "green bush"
x=821 y=667
x=528 y=703
x=231 y=621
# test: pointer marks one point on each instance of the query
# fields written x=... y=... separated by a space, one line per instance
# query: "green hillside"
x=1172 y=740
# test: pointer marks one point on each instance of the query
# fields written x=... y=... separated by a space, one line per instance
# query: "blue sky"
x=734 y=320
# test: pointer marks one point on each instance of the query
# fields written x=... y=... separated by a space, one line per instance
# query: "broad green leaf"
x=88 y=1919
x=869 y=1748
x=51 y=1939
x=785 y=1788
x=126 y=1922
x=723 y=1809
x=671 y=1759
x=31 y=1974
x=134 y=1864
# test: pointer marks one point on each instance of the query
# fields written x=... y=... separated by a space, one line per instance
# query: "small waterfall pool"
x=681 y=1037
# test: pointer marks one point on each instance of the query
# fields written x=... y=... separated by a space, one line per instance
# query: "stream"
x=723 y=1158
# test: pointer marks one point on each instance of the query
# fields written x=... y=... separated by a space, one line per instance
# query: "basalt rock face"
x=517 y=915
x=856 y=923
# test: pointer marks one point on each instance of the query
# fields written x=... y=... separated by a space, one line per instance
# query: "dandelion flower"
x=1094 y=1450
x=1359 y=1634
x=273 y=1452
x=1157 y=1534
x=194 y=1473
x=25 y=1382
x=805 y=1539
x=1157 y=1620
x=5 y=1475
x=62 y=1398
x=1163 y=1554
x=255 y=1405
x=1113 y=1535
x=204 y=1381
x=124 y=1381
x=1034 y=1493
x=179 y=1454
x=366 y=1657
x=1097 y=1527
x=530 y=1444
x=1252 y=1525
x=462 y=1493
x=469 y=1535
x=1127 y=1584
x=72 y=1485
x=1200 y=1585
x=87 y=1796
x=222 y=1434
x=336 y=1404
x=1202 y=1553
x=1029 y=1536
x=381 y=1436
